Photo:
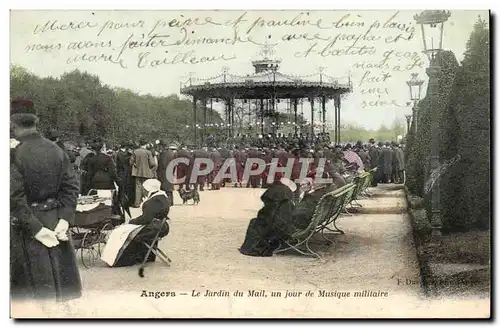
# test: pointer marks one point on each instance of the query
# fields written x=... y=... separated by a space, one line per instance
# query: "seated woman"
x=125 y=244
x=264 y=233
x=311 y=194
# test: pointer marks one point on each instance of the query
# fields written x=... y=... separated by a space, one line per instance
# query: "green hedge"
x=463 y=106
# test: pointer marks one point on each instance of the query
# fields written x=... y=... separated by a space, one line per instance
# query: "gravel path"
x=376 y=255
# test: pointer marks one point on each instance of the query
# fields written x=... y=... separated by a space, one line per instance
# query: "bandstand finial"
x=267 y=50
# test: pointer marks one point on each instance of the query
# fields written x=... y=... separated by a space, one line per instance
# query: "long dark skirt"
x=136 y=251
x=258 y=241
x=44 y=273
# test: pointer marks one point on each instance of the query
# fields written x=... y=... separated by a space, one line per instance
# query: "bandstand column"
x=311 y=100
x=249 y=112
x=231 y=101
x=195 y=122
x=273 y=114
x=211 y=110
x=203 y=136
x=262 y=116
x=226 y=121
x=323 y=107
x=295 y=103
x=335 y=121
x=337 y=113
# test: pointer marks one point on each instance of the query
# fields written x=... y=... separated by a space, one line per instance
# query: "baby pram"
x=93 y=221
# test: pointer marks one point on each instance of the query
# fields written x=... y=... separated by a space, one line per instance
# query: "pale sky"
x=42 y=42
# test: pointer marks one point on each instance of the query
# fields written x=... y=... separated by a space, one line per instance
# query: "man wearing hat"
x=167 y=178
x=374 y=153
x=55 y=136
x=217 y=159
x=142 y=162
x=385 y=162
x=51 y=191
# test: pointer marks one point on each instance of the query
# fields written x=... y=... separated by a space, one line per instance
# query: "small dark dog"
x=189 y=194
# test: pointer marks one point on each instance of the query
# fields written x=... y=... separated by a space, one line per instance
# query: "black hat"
x=22 y=106
x=23 y=113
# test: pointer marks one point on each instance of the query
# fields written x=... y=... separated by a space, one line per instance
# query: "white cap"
x=152 y=185
x=14 y=143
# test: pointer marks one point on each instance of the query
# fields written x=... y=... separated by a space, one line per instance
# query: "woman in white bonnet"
x=155 y=206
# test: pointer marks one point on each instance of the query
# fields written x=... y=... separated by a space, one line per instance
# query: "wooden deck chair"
x=302 y=237
x=153 y=247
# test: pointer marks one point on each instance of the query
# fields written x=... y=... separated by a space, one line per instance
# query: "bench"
x=326 y=212
x=369 y=182
x=361 y=182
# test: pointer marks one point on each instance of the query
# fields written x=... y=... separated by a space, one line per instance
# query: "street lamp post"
x=415 y=85
x=432 y=23
x=408 y=120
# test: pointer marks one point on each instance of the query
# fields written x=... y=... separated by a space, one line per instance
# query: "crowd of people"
x=127 y=166
x=47 y=178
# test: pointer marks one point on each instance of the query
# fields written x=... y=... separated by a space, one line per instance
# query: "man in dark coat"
x=385 y=162
x=373 y=152
x=399 y=163
x=267 y=156
x=225 y=154
x=201 y=154
x=124 y=173
x=51 y=191
x=254 y=180
x=55 y=137
x=166 y=157
x=183 y=169
x=240 y=158
x=217 y=159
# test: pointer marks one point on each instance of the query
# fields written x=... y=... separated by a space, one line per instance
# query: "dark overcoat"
x=201 y=154
x=183 y=169
x=51 y=191
x=166 y=157
x=101 y=172
x=272 y=224
x=126 y=184
x=385 y=163
x=399 y=159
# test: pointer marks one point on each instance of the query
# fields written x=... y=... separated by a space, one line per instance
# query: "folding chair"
x=153 y=247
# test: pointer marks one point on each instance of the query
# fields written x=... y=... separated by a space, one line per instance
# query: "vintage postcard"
x=250 y=164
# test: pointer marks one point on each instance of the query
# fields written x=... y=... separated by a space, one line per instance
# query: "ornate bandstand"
x=262 y=93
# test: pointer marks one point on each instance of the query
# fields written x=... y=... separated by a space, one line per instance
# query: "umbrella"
x=121 y=198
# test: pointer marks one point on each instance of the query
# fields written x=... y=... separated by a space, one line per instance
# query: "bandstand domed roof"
x=265 y=81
